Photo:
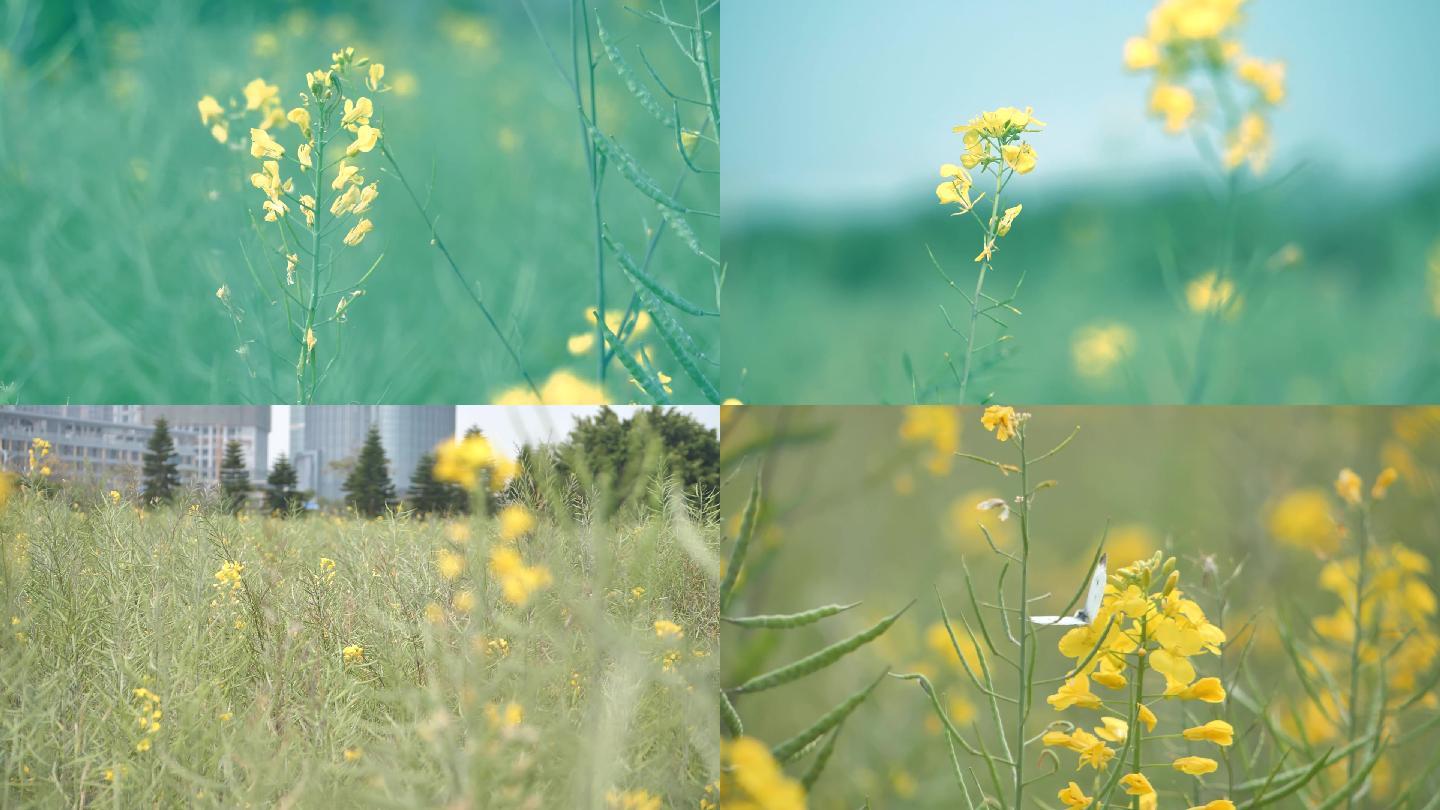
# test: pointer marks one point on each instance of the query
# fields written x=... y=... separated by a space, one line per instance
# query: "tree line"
x=601 y=448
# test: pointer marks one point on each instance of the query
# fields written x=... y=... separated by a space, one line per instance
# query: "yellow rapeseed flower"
x=664 y=628
x=1195 y=766
x=562 y=388
x=1348 y=486
x=258 y=94
x=357 y=233
x=263 y=146
x=515 y=522
x=1020 y=157
x=1383 y=482
x=1001 y=420
x=938 y=426
x=751 y=779
x=1216 y=731
x=353 y=654
x=1072 y=796
x=1175 y=103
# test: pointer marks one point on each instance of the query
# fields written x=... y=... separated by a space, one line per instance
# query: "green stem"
x=1359 y=632
x=592 y=164
x=1022 y=708
x=455 y=268
x=980 y=279
x=307 y=354
x=1136 y=732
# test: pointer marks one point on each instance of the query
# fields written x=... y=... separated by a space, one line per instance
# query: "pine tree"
x=431 y=496
x=281 y=496
x=234 y=478
x=159 y=468
x=368 y=488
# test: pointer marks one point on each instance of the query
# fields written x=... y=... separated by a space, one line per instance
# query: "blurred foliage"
x=127 y=216
x=1342 y=309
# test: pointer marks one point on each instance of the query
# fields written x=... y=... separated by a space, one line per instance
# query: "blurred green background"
x=852 y=511
x=121 y=216
x=843 y=115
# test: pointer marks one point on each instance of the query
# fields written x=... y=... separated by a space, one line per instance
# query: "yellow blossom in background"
x=664 y=628
x=1216 y=804
x=1383 y=482
x=751 y=779
x=1173 y=103
x=353 y=754
x=1249 y=143
x=518 y=581
x=259 y=94
x=461 y=461
x=966 y=519
x=1348 y=486
x=1097 y=349
x=515 y=522
x=938 y=426
x=374 y=76
x=632 y=800
x=1141 y=53
x=562 y=388
x=1000 y=420
x=1303 y=518
x=1210 y=293
x=510 y=715
x=449 y=564
x=353 y=654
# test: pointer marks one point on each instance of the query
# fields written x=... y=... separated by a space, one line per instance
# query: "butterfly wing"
x=1097 y=590
x=1057 y=621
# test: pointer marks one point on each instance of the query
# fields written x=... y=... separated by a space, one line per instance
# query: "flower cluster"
x=229 y=582
x=1189 y=44
x=560 y=388
x=38 y=462
x=147 y=716
x=631 y=800
x=327 y=570
x=518 y=581
x=472 y=462
x=1144 y=623
x=1003 y=421
x=994 y=142
x=353 y=654
x=751 y=779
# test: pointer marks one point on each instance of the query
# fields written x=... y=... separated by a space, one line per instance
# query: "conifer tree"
x=368 y=488
x=281 y=495
x=234 y=478
x=160 y=471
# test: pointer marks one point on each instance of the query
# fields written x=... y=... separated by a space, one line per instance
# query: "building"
x=214 y=426
x=325 y=439
x=105 y=443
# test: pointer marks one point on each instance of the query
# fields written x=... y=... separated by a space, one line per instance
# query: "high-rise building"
x=103 y=443
x=214 y=426
x=325 y=439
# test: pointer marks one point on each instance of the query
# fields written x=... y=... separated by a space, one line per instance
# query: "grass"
x=1245 y=501
x=557 y=702
x=133 y=216
x=1345 y=324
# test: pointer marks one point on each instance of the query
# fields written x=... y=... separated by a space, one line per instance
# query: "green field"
x=1339 y=305
x=180 y=657
x=123 y=216
x=851 y=511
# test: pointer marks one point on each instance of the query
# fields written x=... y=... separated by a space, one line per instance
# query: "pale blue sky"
x=847 y=105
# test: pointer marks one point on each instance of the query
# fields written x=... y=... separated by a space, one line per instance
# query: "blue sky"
x=837 y=105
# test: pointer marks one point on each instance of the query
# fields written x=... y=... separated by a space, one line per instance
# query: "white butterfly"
x=1086 y=614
